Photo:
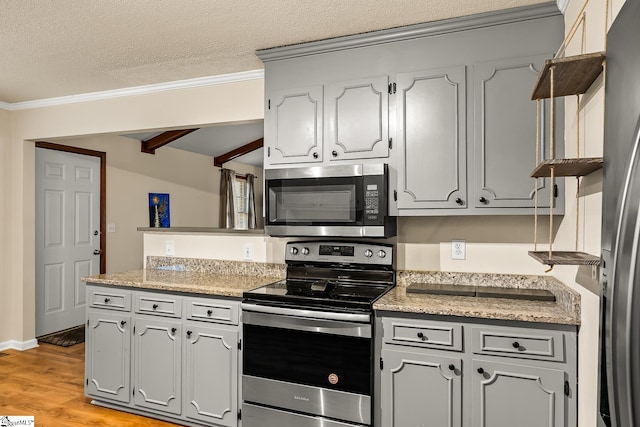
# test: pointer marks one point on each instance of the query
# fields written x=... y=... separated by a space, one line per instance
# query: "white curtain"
x=251 y=202
x=227 y=202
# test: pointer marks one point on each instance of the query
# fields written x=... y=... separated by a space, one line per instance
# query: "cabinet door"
x=293 y=125
x=157 y=365
x=358 y=119
x=506 y=395
x=431 y=134
x=420 y=389
x=108 y=355
x=211 y=374
x=505 y=134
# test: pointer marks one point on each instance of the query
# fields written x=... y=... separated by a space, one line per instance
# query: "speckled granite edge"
x=240 y=268
x=566 y=298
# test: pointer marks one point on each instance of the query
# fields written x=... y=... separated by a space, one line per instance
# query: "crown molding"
x=562 y=5
x=136 y=90
x=409 y=32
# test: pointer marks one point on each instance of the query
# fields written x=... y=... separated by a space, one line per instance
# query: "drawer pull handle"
x=483 y=200
x=173 y=331
x=189 y=333
x=123 y=322
x=460 y=201
x=422 y=336
x=334 y=153
x=452 y=367
x=155 y=306
x=106 y=300
x=209 y=313
x=516 y=345
x=480 y=371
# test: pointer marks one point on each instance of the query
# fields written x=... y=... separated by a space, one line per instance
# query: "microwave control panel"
x=375 y=192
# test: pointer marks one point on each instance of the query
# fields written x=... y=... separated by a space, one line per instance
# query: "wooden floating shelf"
x=572 y=75
x=567 y=167
x=565 y=258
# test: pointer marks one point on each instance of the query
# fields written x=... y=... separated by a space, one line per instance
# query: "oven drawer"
x=110 y=299
x=423 y=333
x=258 y=416
x=209 y=310
x=516 y=342
x=158 y=305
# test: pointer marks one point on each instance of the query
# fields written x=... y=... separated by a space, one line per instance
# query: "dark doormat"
x=65 y=338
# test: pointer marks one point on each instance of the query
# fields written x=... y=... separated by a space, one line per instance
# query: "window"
x=241 y=194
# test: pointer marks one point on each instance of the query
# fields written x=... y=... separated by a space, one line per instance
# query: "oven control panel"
x=342 y=252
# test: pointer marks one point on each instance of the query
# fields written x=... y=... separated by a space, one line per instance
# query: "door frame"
x=103 y=190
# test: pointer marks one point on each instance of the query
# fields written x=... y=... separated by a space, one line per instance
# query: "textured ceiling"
x=51 y=48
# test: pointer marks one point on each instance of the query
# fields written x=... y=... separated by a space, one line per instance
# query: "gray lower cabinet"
x=211 y=366
x=510 y=394
x=474 y=373
x=163 y=355
x=108 y=351
x=422 y=389
x=157 y=365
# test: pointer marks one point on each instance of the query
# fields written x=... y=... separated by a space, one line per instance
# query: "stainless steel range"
x=307 y=340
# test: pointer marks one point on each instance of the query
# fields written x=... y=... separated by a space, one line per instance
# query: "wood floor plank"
x=47 y=383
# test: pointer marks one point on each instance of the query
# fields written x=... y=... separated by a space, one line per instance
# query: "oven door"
x=318 y=366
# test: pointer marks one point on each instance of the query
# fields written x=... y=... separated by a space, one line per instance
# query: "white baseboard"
x=19 y=345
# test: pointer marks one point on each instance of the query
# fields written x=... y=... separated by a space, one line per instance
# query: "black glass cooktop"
x=320 y=293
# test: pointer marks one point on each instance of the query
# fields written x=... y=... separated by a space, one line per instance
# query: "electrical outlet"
x=169 y=248
x=458 y=249
x=111 y=228
x=247 y=252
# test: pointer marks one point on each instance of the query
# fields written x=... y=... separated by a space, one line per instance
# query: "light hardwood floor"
x=46 y=382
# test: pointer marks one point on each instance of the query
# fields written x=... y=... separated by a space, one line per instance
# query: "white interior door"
x=67 y=234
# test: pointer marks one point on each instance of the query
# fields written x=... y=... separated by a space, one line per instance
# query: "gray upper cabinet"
x=457 y=127
x=357 y=119
x=431 y=138
x=505 y=134
x=506 y=394
x=293 y=126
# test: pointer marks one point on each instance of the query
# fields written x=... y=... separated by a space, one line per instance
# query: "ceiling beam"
x=152 y=144
x=240 y=151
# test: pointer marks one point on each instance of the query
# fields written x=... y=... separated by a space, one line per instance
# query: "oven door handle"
x=312 y=314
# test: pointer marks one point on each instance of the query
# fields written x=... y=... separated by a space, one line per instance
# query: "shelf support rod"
x=553 y=172
x=535 y=188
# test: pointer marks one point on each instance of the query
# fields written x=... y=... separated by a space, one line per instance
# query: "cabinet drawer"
x=158 y=305
x=111 y=299
x=212 y=310
x=516 y=342
x=423 y=333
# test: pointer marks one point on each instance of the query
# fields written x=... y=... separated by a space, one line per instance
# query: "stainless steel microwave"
x=337 y=201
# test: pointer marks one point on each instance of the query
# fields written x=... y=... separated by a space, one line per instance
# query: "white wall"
x=6 y=317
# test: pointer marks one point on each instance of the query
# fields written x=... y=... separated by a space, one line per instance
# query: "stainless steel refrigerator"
x=619 y=394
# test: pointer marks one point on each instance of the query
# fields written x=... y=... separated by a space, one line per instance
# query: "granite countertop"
x=196 y=282
x=232 y=278
x=197 y=276
x=565 y=310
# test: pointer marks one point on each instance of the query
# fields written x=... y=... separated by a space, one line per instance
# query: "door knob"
x=97 y=251
x=483 y=200
x=460 y=201
x=96 y=232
